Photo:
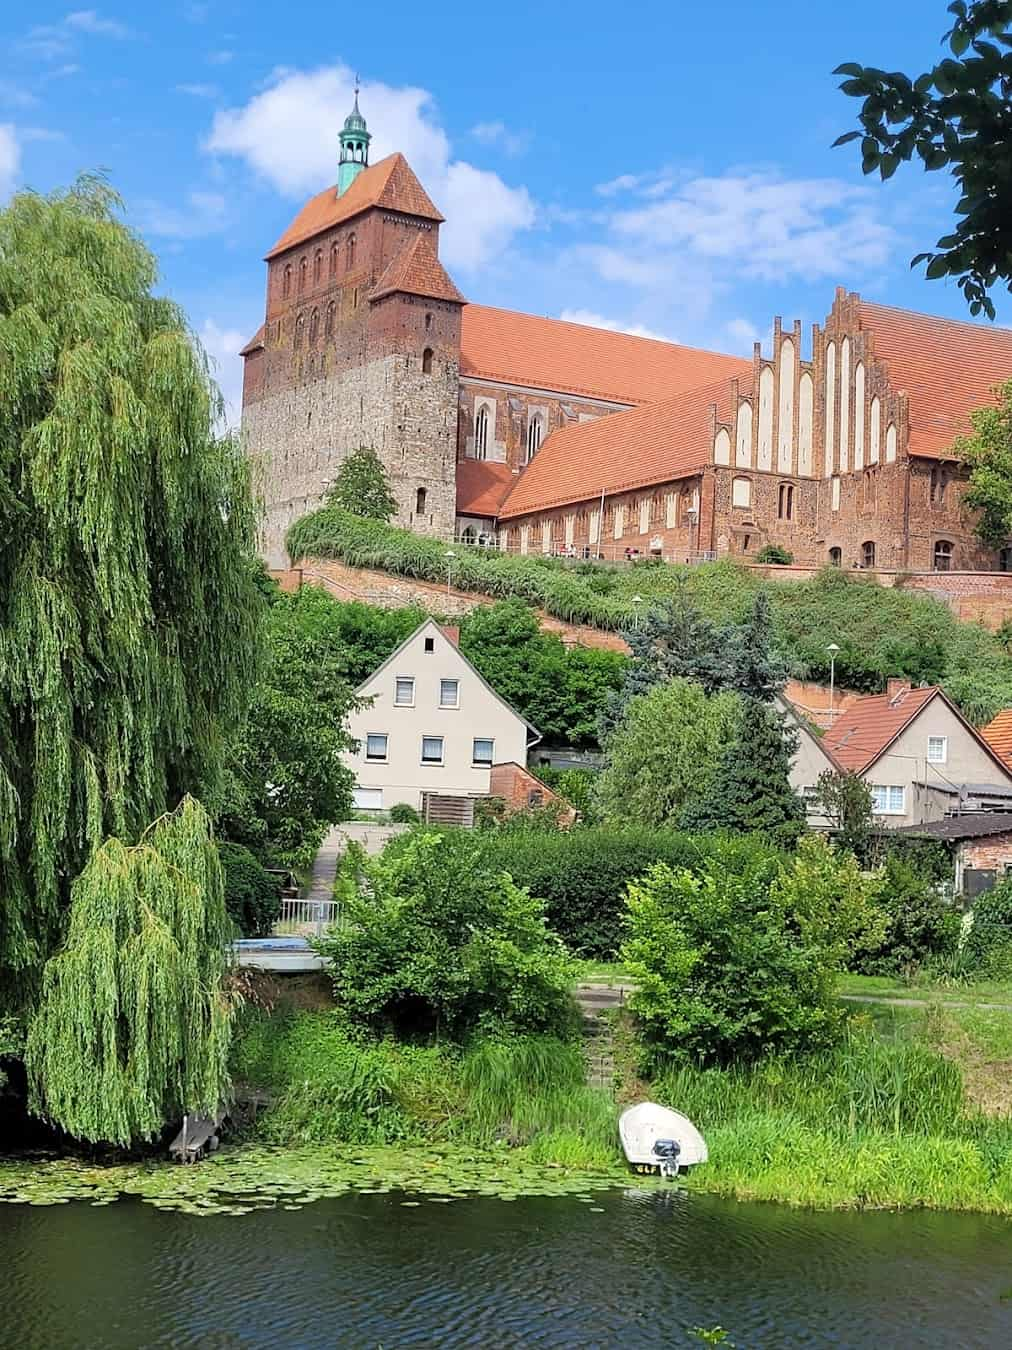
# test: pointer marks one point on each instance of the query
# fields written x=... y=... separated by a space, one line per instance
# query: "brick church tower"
x=360 y=346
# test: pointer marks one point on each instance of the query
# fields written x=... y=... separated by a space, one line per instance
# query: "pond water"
x=627 y=1268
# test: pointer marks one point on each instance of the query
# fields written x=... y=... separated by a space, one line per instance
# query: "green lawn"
x=602 y=972
x=930 y=990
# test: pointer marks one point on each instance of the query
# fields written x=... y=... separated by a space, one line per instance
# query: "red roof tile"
x=482 y=486
x=869 y=725
x=573 y=358
x=255 y=342
x=656 y=443
x=417 y=271
x=946 y=367
x=391 y=184
x=998 y=734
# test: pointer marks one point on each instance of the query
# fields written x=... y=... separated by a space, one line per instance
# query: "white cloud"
x=223 y=346
x=10 y=159
x=625 y=182
x=743 y=334
x=592 y=320
x=203 y=213
x=766 y=226
x=198 y=90
x=499 y=135
x=288 y=134
x=17 y=97
x=90 y=21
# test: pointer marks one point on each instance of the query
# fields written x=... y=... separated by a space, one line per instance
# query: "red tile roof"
x=946 y=367
x=482 y=486
x=656 y=443
x=573 y=358
x=417 y=271
x=998 y=734
x=391 y=184
x=865 y=729
x=255 y=342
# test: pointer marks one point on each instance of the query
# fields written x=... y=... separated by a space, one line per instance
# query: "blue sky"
x=660 y=167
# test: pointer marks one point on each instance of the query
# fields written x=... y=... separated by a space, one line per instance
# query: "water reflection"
x=630 y=1269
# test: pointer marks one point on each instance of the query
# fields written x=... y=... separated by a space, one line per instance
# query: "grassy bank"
x=910 y=1111
x=880 y=631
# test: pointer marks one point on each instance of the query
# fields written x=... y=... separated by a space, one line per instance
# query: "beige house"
x=916 y=751
x=432 y=724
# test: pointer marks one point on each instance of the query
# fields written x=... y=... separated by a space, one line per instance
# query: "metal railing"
x=306 y=918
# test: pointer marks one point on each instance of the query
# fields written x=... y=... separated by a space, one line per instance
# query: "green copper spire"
x=355 y=140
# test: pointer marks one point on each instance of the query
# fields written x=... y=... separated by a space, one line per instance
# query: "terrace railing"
x=307 y=918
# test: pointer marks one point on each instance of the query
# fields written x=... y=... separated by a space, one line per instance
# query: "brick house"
x=547 y=436
x=981 y=847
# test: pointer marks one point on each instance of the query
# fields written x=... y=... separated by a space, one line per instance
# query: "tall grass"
x=879 y=631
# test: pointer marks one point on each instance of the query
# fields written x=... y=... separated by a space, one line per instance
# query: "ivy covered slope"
x=128 y=613
x=880 y=631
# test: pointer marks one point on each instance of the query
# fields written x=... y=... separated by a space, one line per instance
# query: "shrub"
x=773 y=553
x=735 y=964
x=252 y=895
x=404 y=814
x=582 y=874
x=436 y=940
x=987 y=949
x=920 y=925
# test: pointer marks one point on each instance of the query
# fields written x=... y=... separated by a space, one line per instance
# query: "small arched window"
x=428 y=322
x=302 y=275
x=300 y=325
x=427 y=361
x=286 y=281
x=868 y=553
x=317 y=266
x=349 y=253
x=420 y=502
x=329 y=328
x=533 y=437
x=943 y=555
x=836 y=557
x=481 y=433
x=333 y=258
x=785 y=501
x=314 y=326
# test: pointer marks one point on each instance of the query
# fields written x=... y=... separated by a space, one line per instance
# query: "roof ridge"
x=996 y=329
x=612 y=332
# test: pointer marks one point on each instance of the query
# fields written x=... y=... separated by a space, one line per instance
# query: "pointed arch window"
x=329 y=325
x=868 y=553
x=300 y=326
x=533 y=436
x=317 y=266
x=286 y=281
x=314 y=326
x=481 y=433
x=428 y=322
x=785 y=501
x=334 y=248
x=938 y=484
x=427 y=361
x=349 y=253
x=302 y=275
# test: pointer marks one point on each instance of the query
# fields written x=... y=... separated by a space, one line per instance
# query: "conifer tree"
x=750 y=792
x=361 y=487
x=755 y=670
x=128 y=613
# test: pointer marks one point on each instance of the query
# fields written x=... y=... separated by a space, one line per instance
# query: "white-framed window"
x=404 y=691
x=367 y=799
x=432 y=749
x=449 y=693
x=376 y=745
x=671 y=510
x=482 y=752
x=810 y=796
x=618 y=522
x=888 y=799
x=645 y=516
x=938 y=749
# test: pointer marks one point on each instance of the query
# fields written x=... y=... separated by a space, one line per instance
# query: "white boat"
x=656 y=1137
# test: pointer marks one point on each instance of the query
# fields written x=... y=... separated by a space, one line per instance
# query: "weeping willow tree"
x=133 y=1025
x=128 y=613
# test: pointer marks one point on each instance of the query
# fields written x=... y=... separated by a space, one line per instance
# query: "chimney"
x=896 y=688
x=451 y=632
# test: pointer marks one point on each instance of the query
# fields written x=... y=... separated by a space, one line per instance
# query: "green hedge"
x=582 y=874
x=880 y=631
x=252 y=895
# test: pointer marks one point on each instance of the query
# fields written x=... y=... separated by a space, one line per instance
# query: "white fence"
x=306 y=918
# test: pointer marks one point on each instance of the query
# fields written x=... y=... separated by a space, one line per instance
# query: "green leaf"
x=849 y=68
x=888 y=166
x=845 y=138
x=937 y=268
x=959 y=41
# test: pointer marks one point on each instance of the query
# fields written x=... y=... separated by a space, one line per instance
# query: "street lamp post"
x=692 y=512
x=450 y=555
x=636 y=601
x=832 y=649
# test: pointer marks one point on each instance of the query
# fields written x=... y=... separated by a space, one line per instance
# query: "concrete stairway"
x=596 y=1001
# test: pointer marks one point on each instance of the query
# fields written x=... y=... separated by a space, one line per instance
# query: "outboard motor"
x=666 y=1152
